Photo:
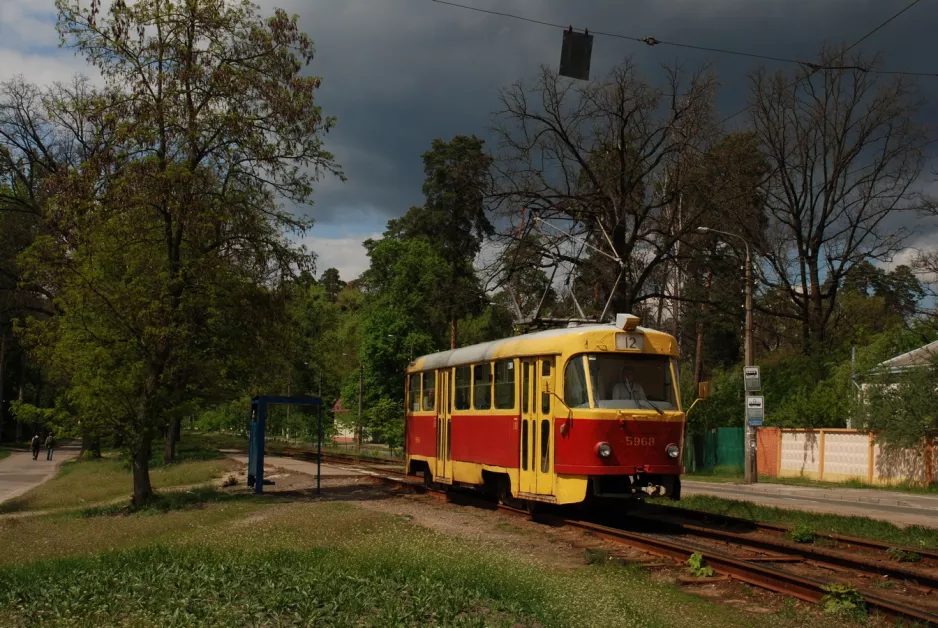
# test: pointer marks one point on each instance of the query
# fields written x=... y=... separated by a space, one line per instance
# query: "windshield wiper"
x=648 y=401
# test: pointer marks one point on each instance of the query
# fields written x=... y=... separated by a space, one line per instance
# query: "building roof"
x=923 y=356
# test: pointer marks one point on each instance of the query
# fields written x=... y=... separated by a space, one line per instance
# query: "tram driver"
x=628 y=388
x=429 y=398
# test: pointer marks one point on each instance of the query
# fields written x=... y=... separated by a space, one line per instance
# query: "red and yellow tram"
x=560 y=416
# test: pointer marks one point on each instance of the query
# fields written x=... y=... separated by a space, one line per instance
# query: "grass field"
x=218 y=440
x=269 y=562
x=862 y=527
x=81 y=483
x=4 y=453
x=209 y=557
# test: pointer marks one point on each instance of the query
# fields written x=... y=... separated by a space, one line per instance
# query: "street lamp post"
x=749 y=450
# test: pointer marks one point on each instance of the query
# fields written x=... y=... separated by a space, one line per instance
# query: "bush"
x=697 y=567
x=802 y=534
x=842 y=599
x=903 y=556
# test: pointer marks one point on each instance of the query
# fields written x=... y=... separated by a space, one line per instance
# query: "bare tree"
x=597 y=169
x=44 y=131
x=845 y=149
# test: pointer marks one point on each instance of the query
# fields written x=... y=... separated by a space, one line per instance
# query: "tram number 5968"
x=640 y=441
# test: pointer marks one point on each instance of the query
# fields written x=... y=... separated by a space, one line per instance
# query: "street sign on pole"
x=755 y=410
x=752 y=379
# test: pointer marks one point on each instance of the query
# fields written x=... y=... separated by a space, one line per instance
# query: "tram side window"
x=462 y=388
x=545 y=446
x=413 y=397
x=545 y=396
x=429 y=390
x=574 y=384
x=526 y=387
x=482 y=387
x=524 y=444
x=505 y=385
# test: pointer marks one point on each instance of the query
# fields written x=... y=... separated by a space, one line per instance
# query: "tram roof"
x=546 y=342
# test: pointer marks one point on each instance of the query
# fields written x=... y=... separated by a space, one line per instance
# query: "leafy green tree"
x=332 y=283
x=166 y=279
x=401 y=319
x=453 y=217
x=902 y=408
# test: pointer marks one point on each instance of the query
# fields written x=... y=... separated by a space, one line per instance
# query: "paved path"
x=896 y=507
x=299 y=466
x=19 y=472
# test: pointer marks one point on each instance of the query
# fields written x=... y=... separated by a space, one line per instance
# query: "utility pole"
x=751 y=473
x=750 y=462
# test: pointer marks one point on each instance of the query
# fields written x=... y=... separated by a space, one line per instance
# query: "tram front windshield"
x=640 y=382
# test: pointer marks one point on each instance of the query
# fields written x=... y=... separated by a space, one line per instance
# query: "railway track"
x=751 y=552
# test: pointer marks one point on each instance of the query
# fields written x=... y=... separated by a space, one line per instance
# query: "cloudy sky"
x=399 y=73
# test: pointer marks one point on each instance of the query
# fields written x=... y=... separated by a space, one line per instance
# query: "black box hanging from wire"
x=575 y=54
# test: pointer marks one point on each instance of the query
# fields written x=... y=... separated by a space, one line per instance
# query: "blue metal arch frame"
x=258 y=436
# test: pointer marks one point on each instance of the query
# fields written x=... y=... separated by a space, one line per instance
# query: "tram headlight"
x=603 y=450
x=673 y=450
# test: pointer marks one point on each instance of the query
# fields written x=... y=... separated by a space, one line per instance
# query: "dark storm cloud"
x=399 y=73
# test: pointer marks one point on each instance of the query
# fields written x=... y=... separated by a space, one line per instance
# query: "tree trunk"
x=19 y=396
x=143 y=491
x=452 y=331
x=177 y=433
x=118 y=441
x=3 y=351
x=90 y=445
x=169 y=450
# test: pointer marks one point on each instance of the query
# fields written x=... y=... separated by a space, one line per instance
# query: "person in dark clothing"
x=35 y=446
x=50 y=443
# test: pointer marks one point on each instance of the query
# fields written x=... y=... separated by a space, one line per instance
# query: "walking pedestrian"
x=35 y=446
x=50 y=443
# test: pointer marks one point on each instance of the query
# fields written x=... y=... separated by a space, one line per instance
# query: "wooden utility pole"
x=750 y=444
x=750 y=464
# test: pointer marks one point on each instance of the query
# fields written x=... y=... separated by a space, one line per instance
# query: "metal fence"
x=717 y=447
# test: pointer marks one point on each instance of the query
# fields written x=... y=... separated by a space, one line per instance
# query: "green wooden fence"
x=717 y=447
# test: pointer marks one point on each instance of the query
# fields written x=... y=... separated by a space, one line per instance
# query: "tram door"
x=544 y=429
x=443 y=463
x=527 y=475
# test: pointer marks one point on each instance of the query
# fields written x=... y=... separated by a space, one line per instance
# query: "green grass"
x=719 y=473
x=905 y=487
x=735 y=475
x=4 y=453
x=257 y=562
x=165 y=502
x=90 y=481
x=275 y=446
x=913 y=536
